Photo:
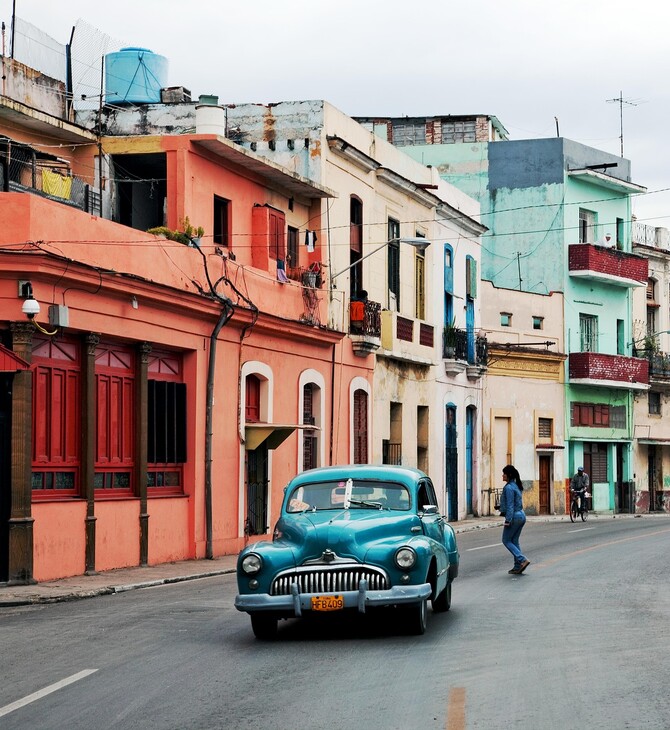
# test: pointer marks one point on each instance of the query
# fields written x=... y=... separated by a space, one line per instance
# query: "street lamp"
x=419 y=243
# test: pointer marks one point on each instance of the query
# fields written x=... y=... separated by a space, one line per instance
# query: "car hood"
x=349 y=533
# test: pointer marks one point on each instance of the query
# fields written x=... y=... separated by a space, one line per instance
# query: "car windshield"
x=364 y=495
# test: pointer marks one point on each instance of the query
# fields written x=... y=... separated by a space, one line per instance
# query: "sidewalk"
x=126 y=579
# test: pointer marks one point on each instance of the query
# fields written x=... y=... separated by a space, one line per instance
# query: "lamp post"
x=419 y=243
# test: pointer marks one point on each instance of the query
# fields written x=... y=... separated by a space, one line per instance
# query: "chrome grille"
x=329 y=580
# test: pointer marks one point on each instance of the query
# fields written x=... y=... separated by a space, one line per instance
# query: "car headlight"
x=252 y=564
x=405 y=558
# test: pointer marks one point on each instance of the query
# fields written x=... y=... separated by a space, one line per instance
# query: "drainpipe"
x=224 y=318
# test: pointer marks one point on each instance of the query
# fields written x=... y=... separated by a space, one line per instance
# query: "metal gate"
x=257 y=491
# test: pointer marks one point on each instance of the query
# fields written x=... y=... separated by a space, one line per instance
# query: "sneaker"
x=515 y=571
x=524 y=565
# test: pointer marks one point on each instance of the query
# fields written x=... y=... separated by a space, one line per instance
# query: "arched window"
x=360 y=427
x=310 y=416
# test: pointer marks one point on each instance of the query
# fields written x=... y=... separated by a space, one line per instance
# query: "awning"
x=10 y=362
x=272 y=434
x=654 y=442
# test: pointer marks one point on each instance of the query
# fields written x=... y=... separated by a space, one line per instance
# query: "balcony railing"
x=455 y=347
x=607 y=264
x=23 y=169
x=371 y=323
x=616 y=371
x=659 y=366
x=365 y=327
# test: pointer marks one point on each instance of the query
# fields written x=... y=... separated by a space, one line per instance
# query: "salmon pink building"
x=157 y=389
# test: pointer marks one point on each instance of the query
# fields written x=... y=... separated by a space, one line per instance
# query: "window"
x=409 y=133
x=277 y=221
x=355 y=246
x=619 y=233
x=394 y=264
x=618 y=417
x=464 y=131
x=505 y=319
x=310 y=459
x=221 y=221
x=591 y=414
x=620 y=337
x=360 y=427
x=292 y=258
x=588 y=332
x=166 y=424
x=538 y=323
x=587 y=223
x=252 y=400
x=420 y=285
x=115 y=418
x=545 y=429
x=654 y=403
x=56 y=457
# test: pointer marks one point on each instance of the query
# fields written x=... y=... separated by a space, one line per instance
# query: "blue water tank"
x=134 y=76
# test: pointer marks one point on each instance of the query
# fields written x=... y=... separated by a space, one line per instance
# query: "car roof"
x=404 y=474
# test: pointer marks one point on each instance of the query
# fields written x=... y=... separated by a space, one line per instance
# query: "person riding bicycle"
x=579 y=485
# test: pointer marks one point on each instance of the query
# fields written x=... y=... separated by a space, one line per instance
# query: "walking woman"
x=511 y=507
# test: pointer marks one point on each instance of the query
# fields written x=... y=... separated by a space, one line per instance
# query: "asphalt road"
x=578 y=641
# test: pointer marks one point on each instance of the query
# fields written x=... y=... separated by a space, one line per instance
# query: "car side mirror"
x=430 y=509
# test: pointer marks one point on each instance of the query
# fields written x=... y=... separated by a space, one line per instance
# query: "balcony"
x=608 y=265
x=407 y=339
x=30 y=171
x=659 y=368
x=365 y=327
x=458 y=356
x=613 y=371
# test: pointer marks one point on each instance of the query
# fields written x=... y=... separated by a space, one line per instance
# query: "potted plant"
x=450 y=337
x=189 y=235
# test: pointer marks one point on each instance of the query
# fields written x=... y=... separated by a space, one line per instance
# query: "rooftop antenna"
x=621 y=101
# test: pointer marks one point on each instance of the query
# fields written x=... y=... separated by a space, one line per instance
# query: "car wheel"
x=443 y=601
x=417 y=617
x=264 y=626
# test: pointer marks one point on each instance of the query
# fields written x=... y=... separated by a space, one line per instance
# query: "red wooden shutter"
x=360 y=427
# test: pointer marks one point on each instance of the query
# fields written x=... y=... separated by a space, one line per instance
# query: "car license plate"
x=327 y=603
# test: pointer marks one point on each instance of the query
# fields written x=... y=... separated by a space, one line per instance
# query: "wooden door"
x=545 y=484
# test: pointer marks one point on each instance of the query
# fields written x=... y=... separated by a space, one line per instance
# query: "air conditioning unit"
x=393 y=301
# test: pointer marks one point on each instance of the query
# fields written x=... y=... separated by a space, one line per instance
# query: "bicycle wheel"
x=585 y=514
x=573 y=511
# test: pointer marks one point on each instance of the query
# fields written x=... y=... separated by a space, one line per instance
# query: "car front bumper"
x=297 y=603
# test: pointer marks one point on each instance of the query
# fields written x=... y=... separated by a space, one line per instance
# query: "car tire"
x=264 y=626
x=442 y=602
x=417 y=617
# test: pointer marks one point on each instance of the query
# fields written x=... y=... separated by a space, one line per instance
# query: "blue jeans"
x=510 y=537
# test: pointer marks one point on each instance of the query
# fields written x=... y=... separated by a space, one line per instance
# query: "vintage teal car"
x=351 y=537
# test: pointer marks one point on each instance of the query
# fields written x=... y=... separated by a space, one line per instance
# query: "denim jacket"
x=510 y=501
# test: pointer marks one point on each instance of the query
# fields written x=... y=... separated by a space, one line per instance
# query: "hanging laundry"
x=53 y=183
x=281 y=272
x=310 y=240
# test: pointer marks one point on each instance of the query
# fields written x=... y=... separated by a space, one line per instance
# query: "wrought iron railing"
x=371 y=324
x=458 y=346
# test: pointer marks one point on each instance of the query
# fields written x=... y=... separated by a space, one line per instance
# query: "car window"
x=364 y=493
x=426 y=494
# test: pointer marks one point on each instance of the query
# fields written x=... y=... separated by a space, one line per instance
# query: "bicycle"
x=578 y=506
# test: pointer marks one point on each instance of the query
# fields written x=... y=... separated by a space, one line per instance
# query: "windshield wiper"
x=365 y=503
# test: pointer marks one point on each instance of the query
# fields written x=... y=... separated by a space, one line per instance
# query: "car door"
x=433 y=524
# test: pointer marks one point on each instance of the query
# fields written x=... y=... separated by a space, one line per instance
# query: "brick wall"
x=587 y=257
x=598 y=366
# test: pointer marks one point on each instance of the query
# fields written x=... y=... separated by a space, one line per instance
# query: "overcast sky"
x=525 y=61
